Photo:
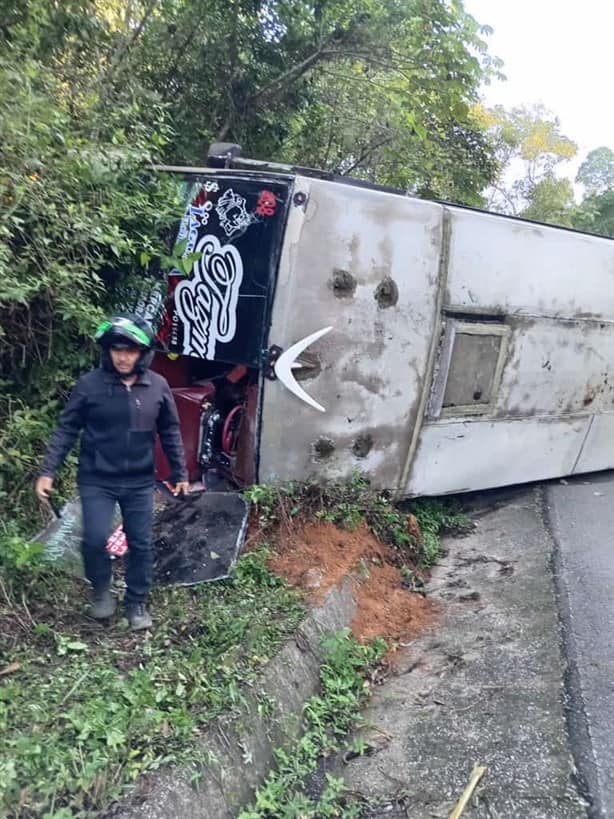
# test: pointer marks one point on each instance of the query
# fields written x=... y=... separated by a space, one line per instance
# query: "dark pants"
x=98 y=504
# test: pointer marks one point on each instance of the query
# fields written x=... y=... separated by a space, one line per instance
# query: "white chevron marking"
x=287 y=362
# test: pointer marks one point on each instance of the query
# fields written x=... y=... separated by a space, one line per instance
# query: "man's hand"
x=181 y=488
x=44 y=487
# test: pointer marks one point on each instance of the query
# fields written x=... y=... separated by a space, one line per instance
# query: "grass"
x=91 y=708
x=327 y=719
x=350 y=503
x=436 y=517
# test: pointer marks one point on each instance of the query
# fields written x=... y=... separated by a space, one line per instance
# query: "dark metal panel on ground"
x=196 y=539
x=199 y=538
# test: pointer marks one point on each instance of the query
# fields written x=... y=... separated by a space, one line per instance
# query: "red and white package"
x=117 y=544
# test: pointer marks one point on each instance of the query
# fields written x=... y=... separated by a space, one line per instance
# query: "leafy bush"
x=77 y=216
x=17 y=553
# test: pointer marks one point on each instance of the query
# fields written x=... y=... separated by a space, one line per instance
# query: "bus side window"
x=469 y=368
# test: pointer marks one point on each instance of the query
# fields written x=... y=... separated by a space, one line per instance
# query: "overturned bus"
x=327 y=325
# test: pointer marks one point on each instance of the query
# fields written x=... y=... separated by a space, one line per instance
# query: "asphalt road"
x=482 y=685
x=526 y=613
x=580 y=514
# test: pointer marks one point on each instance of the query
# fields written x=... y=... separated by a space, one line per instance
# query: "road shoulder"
x=484 y=685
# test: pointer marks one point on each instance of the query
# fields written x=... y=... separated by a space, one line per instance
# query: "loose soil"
x=317 y=556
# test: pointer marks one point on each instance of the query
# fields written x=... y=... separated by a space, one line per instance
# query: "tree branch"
x=292 y=73
x=180 y=50
x=349 y=78
x=366 y=153
x=125 y=46
x=506 y=197
x=277 y=84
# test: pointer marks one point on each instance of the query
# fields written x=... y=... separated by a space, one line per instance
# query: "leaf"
x=76 y=645
x=115 y=738
x=193 y=257
x=420 y=130
x=186 y=266
x=180 y=247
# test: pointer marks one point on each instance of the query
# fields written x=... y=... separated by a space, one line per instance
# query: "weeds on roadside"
x=89 y=708
x=351 y=503
x=435 y=517
x=328 y=718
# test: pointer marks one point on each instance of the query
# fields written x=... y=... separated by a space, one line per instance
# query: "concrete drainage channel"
x=241 y=746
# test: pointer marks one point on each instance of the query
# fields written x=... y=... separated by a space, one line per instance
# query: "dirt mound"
x=384 y=608
x=317 y=556
x=322 y=548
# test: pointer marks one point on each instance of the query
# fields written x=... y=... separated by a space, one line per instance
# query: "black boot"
x=138 y=616
x=103 y=604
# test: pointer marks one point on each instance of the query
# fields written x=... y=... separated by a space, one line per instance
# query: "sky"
x=557 y=53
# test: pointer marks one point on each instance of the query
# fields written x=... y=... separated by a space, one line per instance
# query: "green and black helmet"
x=129 y=330
x=126 y=331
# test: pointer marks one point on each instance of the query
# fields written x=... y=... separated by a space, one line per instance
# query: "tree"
x=396 y=115
x=596 y=211
x=529 y=146
x=551 y=200
x=380 y=89
x=596 y=214
x=400 y=111
x=596 y=173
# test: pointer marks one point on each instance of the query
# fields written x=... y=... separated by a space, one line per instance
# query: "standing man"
x=119 y=406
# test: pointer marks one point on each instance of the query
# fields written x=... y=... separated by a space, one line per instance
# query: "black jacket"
x=119 y=430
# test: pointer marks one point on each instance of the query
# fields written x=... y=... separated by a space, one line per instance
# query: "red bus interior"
x=218 y=406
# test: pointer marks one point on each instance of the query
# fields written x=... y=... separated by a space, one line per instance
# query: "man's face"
x=124 y=359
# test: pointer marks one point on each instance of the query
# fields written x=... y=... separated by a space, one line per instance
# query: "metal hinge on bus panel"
x=269 y=358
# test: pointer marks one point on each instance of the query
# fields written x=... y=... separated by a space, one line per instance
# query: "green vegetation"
x=90 y=708
x=351 y=503
x=77 y=219
x=93 y=91
x=531 y=139
x=435 y=517
x=328 y=718
x=596 y=174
